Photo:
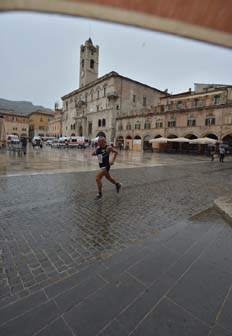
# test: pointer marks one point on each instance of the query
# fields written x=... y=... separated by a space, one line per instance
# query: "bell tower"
x=88 y=63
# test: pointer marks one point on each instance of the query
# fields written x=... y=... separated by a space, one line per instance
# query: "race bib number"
x=99 y=158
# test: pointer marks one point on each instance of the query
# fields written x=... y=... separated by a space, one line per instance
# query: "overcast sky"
x=39 y=57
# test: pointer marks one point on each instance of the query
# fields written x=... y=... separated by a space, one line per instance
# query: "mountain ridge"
x=22 y=107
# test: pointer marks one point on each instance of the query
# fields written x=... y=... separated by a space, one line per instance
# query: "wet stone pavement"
x=138 y=263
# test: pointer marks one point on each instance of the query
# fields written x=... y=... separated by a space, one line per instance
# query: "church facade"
x=94 y=107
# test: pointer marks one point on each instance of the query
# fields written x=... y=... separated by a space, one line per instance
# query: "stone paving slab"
x=150 y=308
x=119 y=261
x=218 y=331
x=170 y=319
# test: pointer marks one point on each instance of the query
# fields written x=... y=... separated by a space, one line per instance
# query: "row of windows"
x=23 y=129
x=14 y=118
x=85 y=98
x=195 y=103
x=171 y=123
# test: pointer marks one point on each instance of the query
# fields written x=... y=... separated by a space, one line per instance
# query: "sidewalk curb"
x=224 y=206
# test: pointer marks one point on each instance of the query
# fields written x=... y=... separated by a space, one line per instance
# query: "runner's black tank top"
x=103 y=157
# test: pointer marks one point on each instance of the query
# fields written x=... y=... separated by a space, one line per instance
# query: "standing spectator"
x=24 y=145
x=222 y=153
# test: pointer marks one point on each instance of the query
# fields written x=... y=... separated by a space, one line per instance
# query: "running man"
x=103 y=154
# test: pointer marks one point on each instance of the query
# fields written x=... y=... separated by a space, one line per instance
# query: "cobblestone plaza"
x=152 y=260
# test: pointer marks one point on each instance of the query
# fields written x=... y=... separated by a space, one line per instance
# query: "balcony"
x=112 y=95
x=80 y=103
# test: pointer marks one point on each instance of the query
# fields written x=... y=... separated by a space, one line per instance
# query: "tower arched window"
x=103 y=122
x=92 y=64
x=82 y=63
x=99 y=122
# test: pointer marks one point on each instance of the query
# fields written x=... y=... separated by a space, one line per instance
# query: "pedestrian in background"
x=221 y=153
x=24 y=145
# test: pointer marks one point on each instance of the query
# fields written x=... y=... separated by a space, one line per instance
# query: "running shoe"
x=98 y=196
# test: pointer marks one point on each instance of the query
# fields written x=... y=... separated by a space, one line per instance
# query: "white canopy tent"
x=159 y=140
x=203 y=141
x=179 y=140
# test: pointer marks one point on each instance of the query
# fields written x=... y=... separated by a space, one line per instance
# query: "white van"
x=13 y=141
x=78 y=142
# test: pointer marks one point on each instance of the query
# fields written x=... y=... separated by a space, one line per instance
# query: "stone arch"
x=191 y=136
x=101 y=134
x=211 y=136
x=137 y=137
x=227 y=139
x=172 y=136
x=147 y=138
x=147 y=146
x=157 y=136
x=128 y=142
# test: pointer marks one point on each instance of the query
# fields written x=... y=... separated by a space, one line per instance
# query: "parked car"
x=36 y=142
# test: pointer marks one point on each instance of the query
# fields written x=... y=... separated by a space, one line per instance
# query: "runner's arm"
x=94 y=153
x=112 y=150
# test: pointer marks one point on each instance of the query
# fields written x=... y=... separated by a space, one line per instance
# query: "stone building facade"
x=38 y=123
x=205 y=112
x=55 y=124
x=12 y=123
x=93 y=108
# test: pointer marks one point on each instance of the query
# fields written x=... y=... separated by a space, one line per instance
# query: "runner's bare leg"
x=109 y=177
x=99 y=177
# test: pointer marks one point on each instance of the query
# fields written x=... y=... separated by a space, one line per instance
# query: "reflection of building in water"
x=206 y=112
x=93 y=108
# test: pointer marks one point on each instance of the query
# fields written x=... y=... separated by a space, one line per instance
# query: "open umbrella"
x=159 y=140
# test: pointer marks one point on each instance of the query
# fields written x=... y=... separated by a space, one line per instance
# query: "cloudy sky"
x=39 y=57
